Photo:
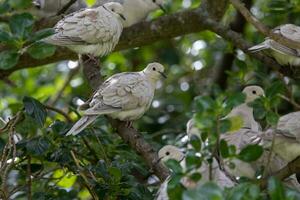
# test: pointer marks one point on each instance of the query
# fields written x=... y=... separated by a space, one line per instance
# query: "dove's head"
x=253 y=92
x=154 y=71
x=154 y=4
x=170 y=152
x=117 y=9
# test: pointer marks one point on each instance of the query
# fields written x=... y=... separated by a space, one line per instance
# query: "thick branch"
x=291 y=168
x=262 y=28
x=129 y=135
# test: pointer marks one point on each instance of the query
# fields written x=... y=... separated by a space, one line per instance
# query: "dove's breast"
x=129 y=115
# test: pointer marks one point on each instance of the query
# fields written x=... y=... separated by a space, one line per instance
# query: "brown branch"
x=66 y=7
x=262 y=28
x=29 y=197
x=291 y=168
x=48 y=107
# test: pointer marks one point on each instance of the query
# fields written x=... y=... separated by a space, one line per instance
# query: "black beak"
x=163 y=75
x=122 y=16
x=162 y=8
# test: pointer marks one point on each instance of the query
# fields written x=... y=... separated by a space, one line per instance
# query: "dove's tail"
x=81 y=124
x=259 y=47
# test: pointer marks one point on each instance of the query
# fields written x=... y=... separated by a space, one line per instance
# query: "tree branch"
x=262 y=28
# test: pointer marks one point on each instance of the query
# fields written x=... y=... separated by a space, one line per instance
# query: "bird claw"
x=129 y=124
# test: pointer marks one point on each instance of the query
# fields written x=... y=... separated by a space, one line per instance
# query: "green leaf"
x=20 y=4
x=115 y=173
x=224 y=149
x=38 y=146
x=272 y=118
x=90 y=2
x=209 y=191
x=35 y=109
x=196 y=142
x=250 y=153
x=275 y=189
x=174 y=166
x=8 y=59
x=42 y=34
x=275 y=88
x=21 y=24
x=41 y=50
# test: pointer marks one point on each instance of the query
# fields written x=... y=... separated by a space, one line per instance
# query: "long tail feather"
x=81 y=124
x=259 y=47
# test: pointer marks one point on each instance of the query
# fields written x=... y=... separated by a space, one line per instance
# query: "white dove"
x=93 y=31
x=247 y=134
x=172 y=152
x=290 y=123
x=134 y=10
x=284 y=55
x=125 y=96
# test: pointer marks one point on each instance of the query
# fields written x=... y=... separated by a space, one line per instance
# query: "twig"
x=291 y=101
x=92 y=151
x=262 y=28
x=66 y=7
x=29 y=197
x=58 y=95
x=59 y=112
x=83 y=176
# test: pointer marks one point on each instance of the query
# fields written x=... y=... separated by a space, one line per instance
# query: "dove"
x=284 y=55
x=290 y=123
x=134 y=10
x=92 y=31
x=125 y=96
x=48 y=8
x=172 y=152
x=247 y=134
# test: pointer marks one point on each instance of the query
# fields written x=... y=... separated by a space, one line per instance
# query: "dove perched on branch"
x=92 y=31
x=284 y=55
x=125 y=96
x=134 y=10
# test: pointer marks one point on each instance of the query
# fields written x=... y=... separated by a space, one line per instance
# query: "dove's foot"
x=93 y=59
x=129 y=124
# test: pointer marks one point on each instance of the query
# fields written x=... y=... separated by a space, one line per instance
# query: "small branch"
x=291 y=168
x=93 y=194
x=29 y=197
x=291 y=101
x=58 y=95
x=48 y=107
x=66 y=7
x=262 y=28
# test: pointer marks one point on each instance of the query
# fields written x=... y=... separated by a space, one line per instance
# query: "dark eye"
x=253 y=92
x=154 y=68
x=154 y=1
x=113 y=10
x=167 y=153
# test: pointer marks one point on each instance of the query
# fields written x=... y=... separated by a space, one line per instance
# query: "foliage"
x=114 y=170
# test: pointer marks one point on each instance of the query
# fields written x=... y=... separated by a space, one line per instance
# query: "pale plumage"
x=94 y=31
x=247 y=134
x=134 y=10
x=284 y=55
x=290 y=123
x=124 y=96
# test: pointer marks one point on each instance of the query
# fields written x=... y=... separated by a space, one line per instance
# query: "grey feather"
x=81 y=124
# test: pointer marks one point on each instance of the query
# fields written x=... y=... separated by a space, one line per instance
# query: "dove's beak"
x=163 y=74
x=162 y=8
x=122 y=16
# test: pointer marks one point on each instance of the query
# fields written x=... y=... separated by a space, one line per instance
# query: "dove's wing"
x=87 y=26
x=121 y=92
x=290 y=123
x=290 y=31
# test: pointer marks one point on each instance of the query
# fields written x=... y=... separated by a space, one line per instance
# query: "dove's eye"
x=167 y=153
x=253 y=92
x=154 y=1
x=113 y=10
x=154 y=69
